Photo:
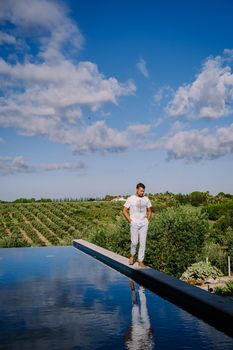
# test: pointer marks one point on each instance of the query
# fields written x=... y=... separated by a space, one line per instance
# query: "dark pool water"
x=60 y=298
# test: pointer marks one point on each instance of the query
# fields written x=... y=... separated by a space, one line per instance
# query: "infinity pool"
x=61 y=298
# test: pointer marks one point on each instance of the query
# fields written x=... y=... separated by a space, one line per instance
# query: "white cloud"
x=178 y=126
x=62 y=166
x=32 y=13
x=141 y=65
x=143 y=130
x=227 y=55
x=157 y=122
x=139 y=129
x=158 y=96
x=58 y=90
x=7 y=38
x=209 y=96
x=195 y=145
x=18 y=164
x=47 y=94
x=48 y=21
x=97 y=137
x=163 y=93
x=14 y=165
x=2 y=140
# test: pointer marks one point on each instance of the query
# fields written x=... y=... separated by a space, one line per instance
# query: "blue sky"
x=96 y=96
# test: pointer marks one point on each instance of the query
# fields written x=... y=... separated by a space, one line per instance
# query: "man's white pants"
x=138 y=232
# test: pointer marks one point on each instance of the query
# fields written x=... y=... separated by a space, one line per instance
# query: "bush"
x=222 y=224
x=214 y=211
x=115 y=236
x=198 y=198
x=228 y=241
x=215 y=254
x=175 y=238
x=225 y=290
x=199 y=272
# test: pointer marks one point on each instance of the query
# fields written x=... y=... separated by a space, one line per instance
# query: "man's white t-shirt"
x=137 y=208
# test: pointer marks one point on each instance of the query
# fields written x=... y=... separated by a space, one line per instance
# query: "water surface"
x=61 y=298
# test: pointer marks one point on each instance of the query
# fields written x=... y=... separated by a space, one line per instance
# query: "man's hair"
x=140 y=185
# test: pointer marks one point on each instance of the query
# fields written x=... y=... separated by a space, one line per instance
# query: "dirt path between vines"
x=42 y=238
x=23 y=233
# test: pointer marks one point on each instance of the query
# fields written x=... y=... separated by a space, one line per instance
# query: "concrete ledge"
x=215 y=310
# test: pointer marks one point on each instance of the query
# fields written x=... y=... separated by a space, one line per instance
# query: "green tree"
x=182 y=198
x=198 y=198
x=222 y=224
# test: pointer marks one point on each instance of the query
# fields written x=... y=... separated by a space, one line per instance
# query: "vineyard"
x=178 y=236
x=46 y=224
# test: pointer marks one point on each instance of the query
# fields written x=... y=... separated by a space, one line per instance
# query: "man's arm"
x=148 y=213
x=126 y=214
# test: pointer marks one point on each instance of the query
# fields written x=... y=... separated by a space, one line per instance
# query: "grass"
x=226 y=290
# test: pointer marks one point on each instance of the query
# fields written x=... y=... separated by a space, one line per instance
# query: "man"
x=137 y=210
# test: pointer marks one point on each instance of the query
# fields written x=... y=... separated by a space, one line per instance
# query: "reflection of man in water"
x=139 y=336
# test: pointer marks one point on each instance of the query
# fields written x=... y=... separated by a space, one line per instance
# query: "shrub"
x=199 y=272
x=214 y=211
x=115 y=236
x=228 y=241
x=175 y=238
x=222 y=224
x=215 y=254
x=226 y=290
x=197 y=198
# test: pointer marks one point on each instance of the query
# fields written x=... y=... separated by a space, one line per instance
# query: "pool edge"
x=214 y=309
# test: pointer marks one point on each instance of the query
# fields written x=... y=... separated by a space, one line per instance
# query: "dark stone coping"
x=214 y=309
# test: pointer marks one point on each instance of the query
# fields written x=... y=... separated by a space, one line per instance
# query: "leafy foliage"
x=215 y=211
x=179 y=234
x=114 y=237
x=221 y=225
x=198 y=198
x=215 y=254
x=199 y=272
x=175 y=238
x=226 y=290
x=52 y=223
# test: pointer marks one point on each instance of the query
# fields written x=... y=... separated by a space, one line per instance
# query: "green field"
x=45 y=224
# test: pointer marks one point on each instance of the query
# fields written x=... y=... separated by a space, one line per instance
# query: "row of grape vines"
x=45 y=224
